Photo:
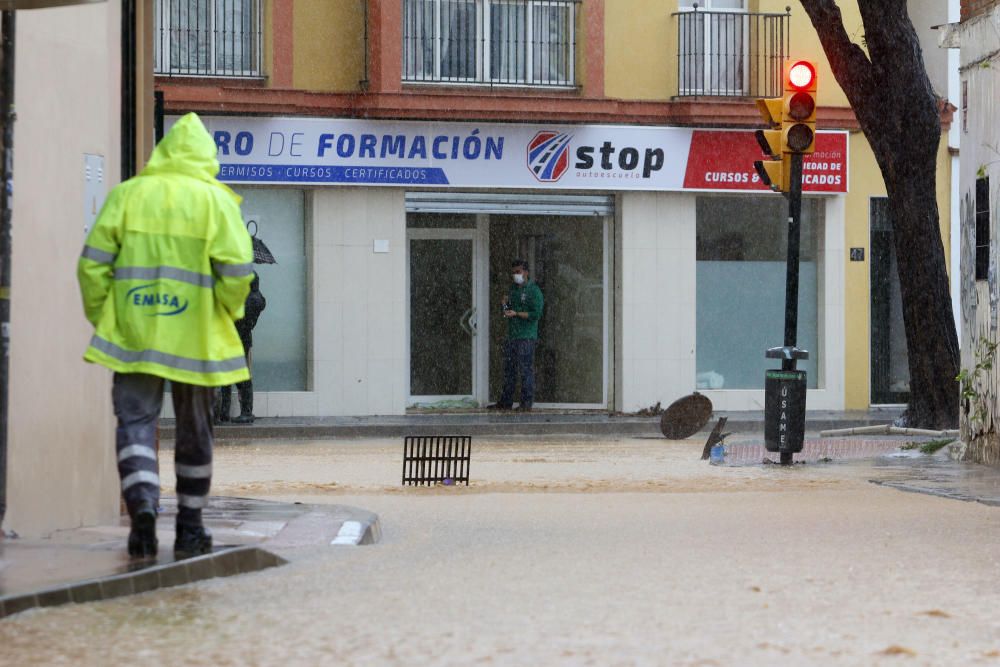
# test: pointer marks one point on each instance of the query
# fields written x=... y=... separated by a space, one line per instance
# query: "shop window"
x=741 y=261
x=982 y=228
x=280 y=338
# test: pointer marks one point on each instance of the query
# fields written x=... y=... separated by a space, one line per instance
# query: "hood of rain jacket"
x=167 y=266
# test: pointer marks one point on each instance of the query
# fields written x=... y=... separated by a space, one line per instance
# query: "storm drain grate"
x=433 y=459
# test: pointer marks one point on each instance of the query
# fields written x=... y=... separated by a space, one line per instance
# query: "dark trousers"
x=243 y=389
x=519 y=359
x=137 y=400
x=245 y=392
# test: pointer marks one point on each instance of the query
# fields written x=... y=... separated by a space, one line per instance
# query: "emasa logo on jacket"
x=155 y=300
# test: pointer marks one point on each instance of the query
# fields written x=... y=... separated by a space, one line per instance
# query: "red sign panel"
x=723 y=160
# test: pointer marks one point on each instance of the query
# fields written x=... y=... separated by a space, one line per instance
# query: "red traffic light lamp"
x=802 y=75
x=798 y=119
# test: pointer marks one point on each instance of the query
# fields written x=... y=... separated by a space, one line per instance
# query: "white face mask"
x=519 y=278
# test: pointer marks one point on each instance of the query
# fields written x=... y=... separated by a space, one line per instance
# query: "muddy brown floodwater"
x=589 y=552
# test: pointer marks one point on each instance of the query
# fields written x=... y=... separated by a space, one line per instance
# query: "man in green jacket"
x=163 y=275
x=523 y=309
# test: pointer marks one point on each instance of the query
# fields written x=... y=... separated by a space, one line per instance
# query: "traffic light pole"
x=792 y=268
x=792 y=273
x=785 y=389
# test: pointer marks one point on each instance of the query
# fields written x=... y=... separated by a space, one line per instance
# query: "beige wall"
x=61 y=466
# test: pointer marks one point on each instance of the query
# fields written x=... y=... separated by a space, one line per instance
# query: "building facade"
x=975 y=38
x=395 y=155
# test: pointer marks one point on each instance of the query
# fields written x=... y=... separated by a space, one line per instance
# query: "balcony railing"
x=498 y=42
x=731 y=54
x=208 y=38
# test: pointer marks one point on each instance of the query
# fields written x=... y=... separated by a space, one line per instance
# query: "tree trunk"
x=896 y=107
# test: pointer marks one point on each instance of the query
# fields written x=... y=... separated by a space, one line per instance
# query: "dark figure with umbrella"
x=254 y=306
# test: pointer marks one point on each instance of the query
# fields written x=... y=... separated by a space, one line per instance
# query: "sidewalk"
x=88 y=564
x=538 y=422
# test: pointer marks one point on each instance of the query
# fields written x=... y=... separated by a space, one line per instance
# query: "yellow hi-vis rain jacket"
x=167 y=267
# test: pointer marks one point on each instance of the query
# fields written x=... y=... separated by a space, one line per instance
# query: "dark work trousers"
x=519 y=359
x=243 y=389
x=137 y=400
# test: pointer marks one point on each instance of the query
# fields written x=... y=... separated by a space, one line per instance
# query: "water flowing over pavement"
x=583 y=552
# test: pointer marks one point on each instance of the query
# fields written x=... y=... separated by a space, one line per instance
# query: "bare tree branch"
x=849 y=62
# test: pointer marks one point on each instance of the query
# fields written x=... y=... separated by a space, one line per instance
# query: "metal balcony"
x=731 y=53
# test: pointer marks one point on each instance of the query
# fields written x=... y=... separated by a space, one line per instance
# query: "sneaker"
x=243 y=419
x=523 y=408
x=142 y=541
x=499 y=406
x=192 y=541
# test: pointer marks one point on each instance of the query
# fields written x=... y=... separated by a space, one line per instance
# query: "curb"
x=519 y=427
x=226 y=562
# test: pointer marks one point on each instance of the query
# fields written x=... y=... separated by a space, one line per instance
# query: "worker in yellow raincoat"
x=163 y=275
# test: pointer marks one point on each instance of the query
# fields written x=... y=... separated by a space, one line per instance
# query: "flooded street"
x=591 y=552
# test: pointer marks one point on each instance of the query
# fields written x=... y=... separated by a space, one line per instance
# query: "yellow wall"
x=640 y=49
x=329 y=45
x=866 y=182
x=944 y=198
x=805 y=44
x=640 y=42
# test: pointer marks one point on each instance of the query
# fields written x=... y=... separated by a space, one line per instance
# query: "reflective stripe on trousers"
x=138 y=399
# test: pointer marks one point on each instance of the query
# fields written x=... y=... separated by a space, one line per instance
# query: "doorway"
x=890 y=370
x=459 y=274
x=444 y=314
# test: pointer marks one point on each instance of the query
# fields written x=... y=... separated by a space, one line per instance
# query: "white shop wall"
x=658 y=298
x=359 y=301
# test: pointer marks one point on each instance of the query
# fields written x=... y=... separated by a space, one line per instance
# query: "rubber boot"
x=192 y=540
x=142 y=542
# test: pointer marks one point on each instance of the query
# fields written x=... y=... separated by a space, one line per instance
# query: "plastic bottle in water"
x=717 y=456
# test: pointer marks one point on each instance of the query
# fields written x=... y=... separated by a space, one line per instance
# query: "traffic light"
x=798 y=117
x=774 y=171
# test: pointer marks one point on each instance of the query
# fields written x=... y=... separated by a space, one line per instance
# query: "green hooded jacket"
x=167 y=267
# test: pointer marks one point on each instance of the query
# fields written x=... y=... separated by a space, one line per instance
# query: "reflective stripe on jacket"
x=167 y=266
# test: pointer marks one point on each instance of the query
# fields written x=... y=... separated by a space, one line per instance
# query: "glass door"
x=443 y=317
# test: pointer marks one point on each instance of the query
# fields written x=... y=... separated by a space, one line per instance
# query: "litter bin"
x=784 y=410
